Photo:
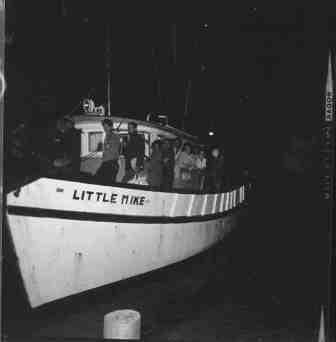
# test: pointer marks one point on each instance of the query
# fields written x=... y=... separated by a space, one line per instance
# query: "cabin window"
x=96 y=141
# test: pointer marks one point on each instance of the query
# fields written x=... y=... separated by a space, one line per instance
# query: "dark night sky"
x=264 y=76
x=263 y=83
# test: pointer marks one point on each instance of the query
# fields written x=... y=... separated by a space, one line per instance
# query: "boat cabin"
x=92 y=137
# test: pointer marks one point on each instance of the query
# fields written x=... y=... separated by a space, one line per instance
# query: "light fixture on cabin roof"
x=157 y=118
x=90 y=108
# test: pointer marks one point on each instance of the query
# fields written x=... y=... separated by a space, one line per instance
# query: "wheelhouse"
x=93 y=135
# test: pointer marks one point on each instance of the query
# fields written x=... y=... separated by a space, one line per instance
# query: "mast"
x=108 y=69
x=186 y=103
x=157 y=78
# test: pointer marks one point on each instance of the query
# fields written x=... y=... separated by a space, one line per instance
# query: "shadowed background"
x=257 y=81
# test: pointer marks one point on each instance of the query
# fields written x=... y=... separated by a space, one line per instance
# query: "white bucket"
x=122 y=325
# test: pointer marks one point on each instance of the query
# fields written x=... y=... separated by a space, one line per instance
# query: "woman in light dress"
x=183 y=166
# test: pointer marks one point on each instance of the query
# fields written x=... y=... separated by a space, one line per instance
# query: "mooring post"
x=122 y=325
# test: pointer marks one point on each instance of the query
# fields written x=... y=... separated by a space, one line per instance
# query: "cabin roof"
x=87 y=119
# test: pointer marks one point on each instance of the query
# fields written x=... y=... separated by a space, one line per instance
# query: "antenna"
x=108 y=69
x=186 y=103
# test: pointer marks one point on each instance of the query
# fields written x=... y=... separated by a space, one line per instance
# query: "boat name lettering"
x=86 y=195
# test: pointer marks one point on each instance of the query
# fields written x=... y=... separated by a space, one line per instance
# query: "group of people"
x=197 y=171
x=171 y=164
x=134 y=152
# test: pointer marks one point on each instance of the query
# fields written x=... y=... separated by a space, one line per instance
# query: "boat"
x=74 y=235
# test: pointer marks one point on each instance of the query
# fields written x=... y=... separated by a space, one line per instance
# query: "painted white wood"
x=74 y=196
x=182 y=204
x=66 y=195
x=227 y=201
x=217 y=207
x=197 y=205
x=222 y=202
x=214 y=204
x=173 y=205
x=204 y=205
x=209 y=204
x=60 y=257
x=191 y=203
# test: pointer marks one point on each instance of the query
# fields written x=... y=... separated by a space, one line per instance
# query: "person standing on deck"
x=155 y=166
x=201 y=165
x=64 y=150
x=215 y=173
x=108 y=170
x=184 y=164
x=168 y=160
x=134 y=153
x=177 y=147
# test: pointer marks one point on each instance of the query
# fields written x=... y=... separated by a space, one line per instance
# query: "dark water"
x=266 y=281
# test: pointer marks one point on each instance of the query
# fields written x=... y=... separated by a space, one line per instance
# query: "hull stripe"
x=98 y=217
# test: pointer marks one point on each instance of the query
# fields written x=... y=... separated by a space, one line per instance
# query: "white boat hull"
x=66 y=245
